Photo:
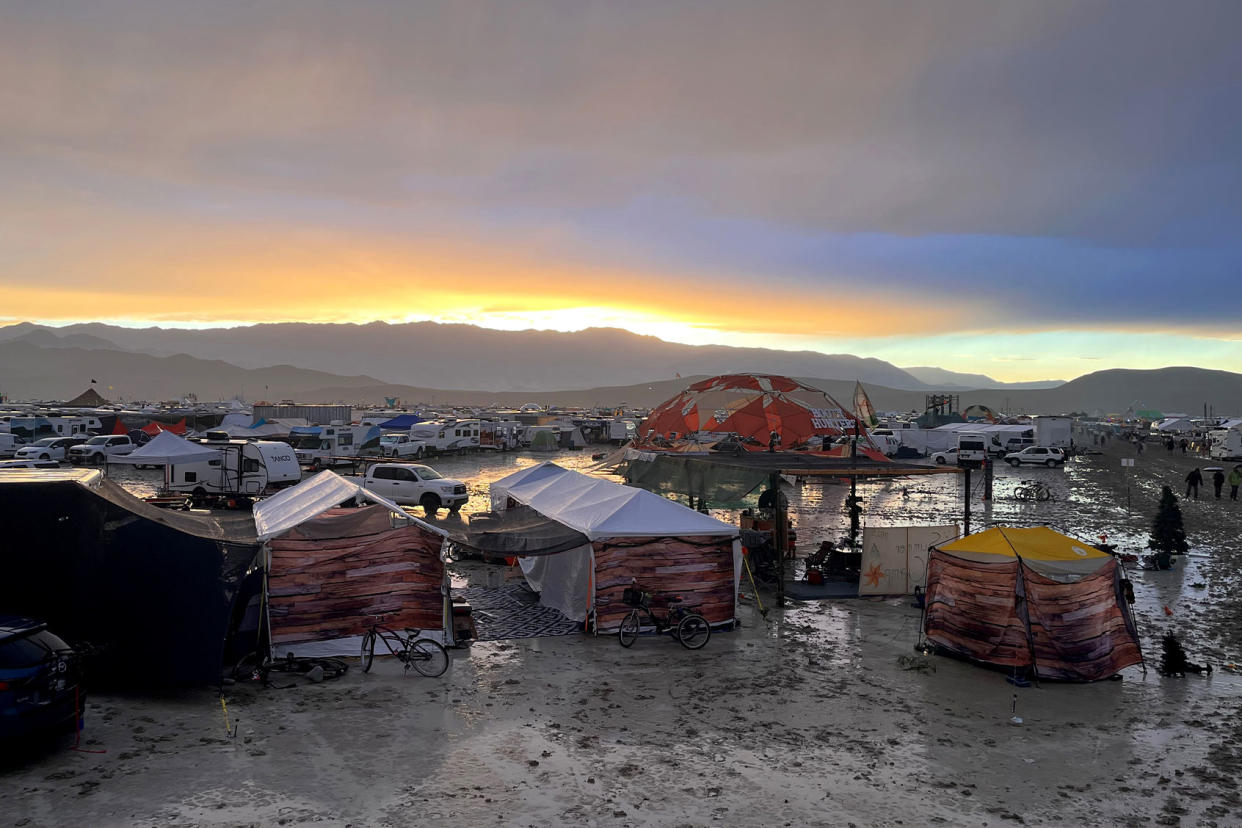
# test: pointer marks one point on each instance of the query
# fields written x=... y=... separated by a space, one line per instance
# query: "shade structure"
x=752 y=406
x=988 y=601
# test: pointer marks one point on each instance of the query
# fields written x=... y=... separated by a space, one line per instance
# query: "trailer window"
x=191 y=477
x=250 y=465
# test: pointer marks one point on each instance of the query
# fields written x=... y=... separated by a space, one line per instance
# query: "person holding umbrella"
x=1218 y=481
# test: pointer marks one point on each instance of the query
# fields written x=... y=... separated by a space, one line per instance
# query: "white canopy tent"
x=599 y=509
x=167 y=448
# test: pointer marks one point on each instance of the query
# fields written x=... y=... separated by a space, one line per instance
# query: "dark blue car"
x=39 y=682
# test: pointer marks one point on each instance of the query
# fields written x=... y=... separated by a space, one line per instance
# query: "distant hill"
x=950 y=380
x=432 y=355
x=36 y=373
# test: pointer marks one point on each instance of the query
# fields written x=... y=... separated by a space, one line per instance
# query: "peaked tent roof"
x=601 y=509
x=1044 y=550
x=89 y=398
x=402 y=421
x=312 y=497
x=167 y=447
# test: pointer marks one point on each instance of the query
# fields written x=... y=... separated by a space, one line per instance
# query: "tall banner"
x=894 y=558
x=863 y=408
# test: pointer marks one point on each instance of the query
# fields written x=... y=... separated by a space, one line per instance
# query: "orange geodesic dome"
x=750 y=406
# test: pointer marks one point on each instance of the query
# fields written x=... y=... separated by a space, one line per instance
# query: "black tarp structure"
x=725 y=478
x=158 y=593
x=519 y=531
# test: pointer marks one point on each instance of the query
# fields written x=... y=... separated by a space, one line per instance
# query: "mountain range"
x=57 y=363
x=467 y=357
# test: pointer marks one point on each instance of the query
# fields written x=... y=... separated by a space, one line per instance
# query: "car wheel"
x=430 y=504
x=44 y=457
x=1015 y=463
x=1050 y=463
x=939 y=461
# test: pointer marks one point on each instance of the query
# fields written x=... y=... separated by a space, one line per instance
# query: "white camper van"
x=245 y=467
x=972 y=448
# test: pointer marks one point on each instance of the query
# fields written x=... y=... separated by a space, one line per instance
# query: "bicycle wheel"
x=1022 y=494
x=368 y=651
x=693 y=631
x=428 y=657
x=1043 y=494
x=629 y=629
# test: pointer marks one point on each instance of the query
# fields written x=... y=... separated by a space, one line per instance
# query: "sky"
x=1027 y=190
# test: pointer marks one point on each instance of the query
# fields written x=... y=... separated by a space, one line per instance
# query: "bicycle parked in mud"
x=683 y=623
x=426 y=655
x=1033 y=490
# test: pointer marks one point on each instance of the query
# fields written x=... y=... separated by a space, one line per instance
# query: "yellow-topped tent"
x=1045 y=550
x=1030 y=599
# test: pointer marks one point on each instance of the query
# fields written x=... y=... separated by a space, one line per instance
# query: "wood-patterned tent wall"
x=321 y=588
x=700 y=569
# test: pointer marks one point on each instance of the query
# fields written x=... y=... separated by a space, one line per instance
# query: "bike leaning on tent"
x=426 y=655
x=1033 y=490
x=683 y=623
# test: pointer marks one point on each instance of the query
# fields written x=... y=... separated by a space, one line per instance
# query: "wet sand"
x=822 y=714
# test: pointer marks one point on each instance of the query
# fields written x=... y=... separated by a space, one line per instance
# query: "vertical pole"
x=778 y=535
x=987 y=479
x=966 y=505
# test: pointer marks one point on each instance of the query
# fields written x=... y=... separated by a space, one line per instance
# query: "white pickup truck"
x=99 y=449
x=402 y=445
x=412 y=484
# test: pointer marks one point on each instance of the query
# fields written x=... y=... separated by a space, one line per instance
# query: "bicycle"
x=426 y=655
x=683 y=623
x=1033 y=490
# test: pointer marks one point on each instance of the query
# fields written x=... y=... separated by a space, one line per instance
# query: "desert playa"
x=823 y=714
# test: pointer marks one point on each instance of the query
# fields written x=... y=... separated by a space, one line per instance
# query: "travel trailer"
x=447 y=436
x=336 y=444
x=622 y=430
x=1226 y=444
x=245 y=467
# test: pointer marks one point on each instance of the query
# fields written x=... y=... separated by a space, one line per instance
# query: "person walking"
x=1218 y=481
x=1184 y=444
x=1235 y=480
x=1193 y=481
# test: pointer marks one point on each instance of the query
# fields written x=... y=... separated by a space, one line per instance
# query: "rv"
x=622 y=430
x=336 y=444
x=1226 y=444
x=499 y=436
x=245 y=467
x=449 y=436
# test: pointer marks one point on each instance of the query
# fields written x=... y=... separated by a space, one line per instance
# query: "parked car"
x=39 y=680
x=49 y=448
x=411 y=484
x=1037 y=455
x=944 y=458
x=401 y=445
x=99 y=449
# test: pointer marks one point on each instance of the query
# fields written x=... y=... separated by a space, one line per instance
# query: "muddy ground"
x=821 y=714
